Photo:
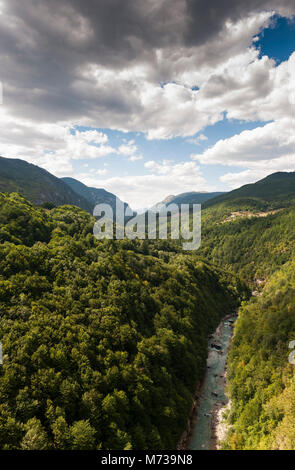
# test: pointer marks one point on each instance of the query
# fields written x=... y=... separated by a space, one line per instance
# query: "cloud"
x=51 y=146
x=92 y=137
x=187 y=171
x=102 y=172
x=263 y=150
x=103 y=63
x=164 y=178
x=128 y=148
x=271 y=144
x=55 y=146
x=135 y=158
x=236 y=180
x=165 y=68
x=197 y=140
x=206 y=21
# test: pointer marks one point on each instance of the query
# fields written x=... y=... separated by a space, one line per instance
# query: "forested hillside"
x=37 y=185
x=192 y=197
x=94 y=196
x=261 y=379
x=252 y=247
x=274 y=191
x=103 y=342
x=255 y=238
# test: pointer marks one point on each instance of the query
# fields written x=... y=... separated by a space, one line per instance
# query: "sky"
x=149 y=98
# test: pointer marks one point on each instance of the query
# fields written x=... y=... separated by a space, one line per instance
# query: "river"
x=212 y=396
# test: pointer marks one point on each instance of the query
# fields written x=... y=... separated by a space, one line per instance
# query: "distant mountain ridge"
x=192 y=197
x=37 y=184
x=94 y=196
x=276 y=190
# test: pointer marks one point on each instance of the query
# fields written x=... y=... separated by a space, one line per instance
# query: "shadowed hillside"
x=37 y=185
x=274 y=191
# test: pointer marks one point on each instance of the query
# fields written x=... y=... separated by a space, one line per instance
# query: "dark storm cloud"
x=103 y=31
x=206 y=18
x=46 y=47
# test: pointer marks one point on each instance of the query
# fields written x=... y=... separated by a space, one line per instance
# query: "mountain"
x=274 y=191
x=260 y=374
x=107 y=317
x=37 y=184
x=103 y=343
x=192 y=197
x=187 y=198
x=250 y=230
x=253 y=247
x=93 y=196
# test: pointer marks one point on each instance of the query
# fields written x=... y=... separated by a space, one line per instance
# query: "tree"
x=35 y=437
x=82 y=436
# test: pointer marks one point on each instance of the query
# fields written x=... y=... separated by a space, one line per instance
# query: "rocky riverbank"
x=205 y=427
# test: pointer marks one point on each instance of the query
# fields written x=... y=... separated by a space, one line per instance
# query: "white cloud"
x=55 y=146
x=197 y=140
x=176 y=88
x=85 y=145
x=31 y=141
x=272 y=144
x=263 y=150
x=102 y=172
x=230 y=76
x=155 y=96
x=93 y=137
x=135 y=158
x=165 y=178
x=158 y=99
x=128 y=148
x=236 y=180
x=184 y=170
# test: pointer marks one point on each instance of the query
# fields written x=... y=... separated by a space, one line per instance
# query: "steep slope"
x=261 y=379
x=274 y=191
x=190 y=198
x=250 y=230
x=102 y=345
x=21 y=222
x=36 y=184
x=251 y=247
x=93 y=195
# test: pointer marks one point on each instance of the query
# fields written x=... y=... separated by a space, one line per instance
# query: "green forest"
x=103 y=341
x=261 y=380
x=253 y=248
x=147 y=230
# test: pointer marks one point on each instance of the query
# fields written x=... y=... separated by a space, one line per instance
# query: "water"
x=212 y=395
